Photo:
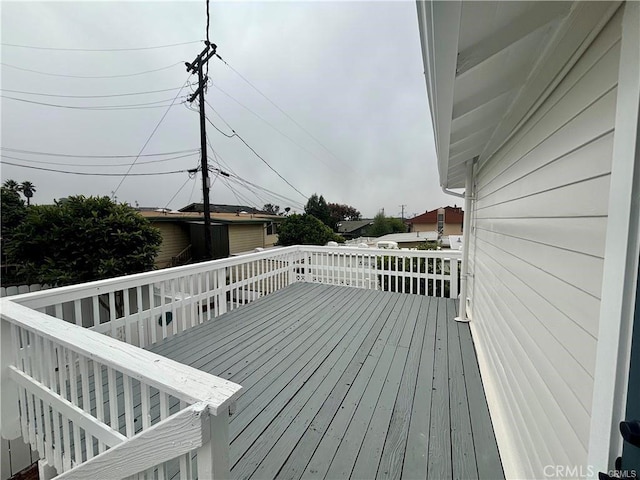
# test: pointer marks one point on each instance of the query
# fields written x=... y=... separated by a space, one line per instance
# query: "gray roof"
x=348 y=226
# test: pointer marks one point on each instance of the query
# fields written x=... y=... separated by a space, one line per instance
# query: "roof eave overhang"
x=553 y=34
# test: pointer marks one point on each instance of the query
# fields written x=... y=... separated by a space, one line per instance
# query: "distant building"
x=217 y=208
x=409 y=240
x=353 y=228
x=231 y=233
x=445 y=220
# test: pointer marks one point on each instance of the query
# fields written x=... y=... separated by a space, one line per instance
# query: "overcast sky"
x=350 y=74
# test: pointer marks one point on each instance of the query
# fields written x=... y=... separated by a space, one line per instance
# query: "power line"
x=50 y=154
x=149 y=139
x=37 y=47
x=281 y=110
x=90 y=76
x=234 y=175
x=90 y=96
x=257 y=154
x=179 y=190
x=93 y=173
x=97 y=164
x=133 y=106
x=223 y=133
x=271 y=125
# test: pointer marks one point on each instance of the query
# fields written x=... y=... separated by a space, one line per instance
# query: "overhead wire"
x=301 y=147
x=149 y=138
x=102 y=174
x=92 y=165
x=133 y=106
x=223 y=165
x=40 y=94
x=90 y=76
x=191 y=177
x=261 y=93
x=247 y=184
x=259 y=156
x=52 y=154
x=129 y=49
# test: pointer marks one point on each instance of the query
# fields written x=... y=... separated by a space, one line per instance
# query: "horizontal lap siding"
x=537 y=253
x=175 y=239
x=243 y=238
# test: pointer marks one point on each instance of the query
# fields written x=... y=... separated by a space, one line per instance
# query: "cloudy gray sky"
x=349 y=73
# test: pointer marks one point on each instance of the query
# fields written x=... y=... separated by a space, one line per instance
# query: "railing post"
x=453 y=278
x=10 y=420
x=213 y=456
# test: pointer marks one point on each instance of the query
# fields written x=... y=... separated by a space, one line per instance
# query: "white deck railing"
x=76 y=386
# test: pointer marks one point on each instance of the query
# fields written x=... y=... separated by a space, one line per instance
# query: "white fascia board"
x=439 y=23
x=620 y=272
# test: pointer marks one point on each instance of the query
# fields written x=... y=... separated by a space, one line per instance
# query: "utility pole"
x=402 y=206
x=193 y=67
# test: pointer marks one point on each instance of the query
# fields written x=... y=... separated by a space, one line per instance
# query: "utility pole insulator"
x=196 y=67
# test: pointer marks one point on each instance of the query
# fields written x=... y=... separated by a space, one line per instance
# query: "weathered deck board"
x=348 y=383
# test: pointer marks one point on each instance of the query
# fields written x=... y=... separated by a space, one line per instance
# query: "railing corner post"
x=213 y=455
x=10 y=419
x=453 y=277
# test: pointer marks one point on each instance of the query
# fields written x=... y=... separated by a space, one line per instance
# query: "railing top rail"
x=71 y=292
x=174 y=378
x=383 y=251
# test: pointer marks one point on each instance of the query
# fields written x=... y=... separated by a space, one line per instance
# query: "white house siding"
x=536 y=258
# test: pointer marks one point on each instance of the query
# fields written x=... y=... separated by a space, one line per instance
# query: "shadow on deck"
x=348 y=383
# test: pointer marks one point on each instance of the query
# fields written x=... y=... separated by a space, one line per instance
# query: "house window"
x=272 y=228
x=441 y=222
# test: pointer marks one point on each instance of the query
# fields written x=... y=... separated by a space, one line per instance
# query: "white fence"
x=76 y=386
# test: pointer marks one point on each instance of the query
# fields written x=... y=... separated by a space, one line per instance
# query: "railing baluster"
x=141 y=326
x=185 y=460
x=128 y=335
x=128 y=405
x=95 y=304
x=73 y=385
x=113 y=398
x=192 y=307
x=112 y=314
x=99 y=393
x=86 y=400
x=174 y=322
x=151 y=326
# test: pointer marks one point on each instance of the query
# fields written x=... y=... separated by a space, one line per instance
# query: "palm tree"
x=11 y=185
x=28 y=189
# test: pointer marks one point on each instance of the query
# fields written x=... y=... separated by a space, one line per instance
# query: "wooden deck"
x=348 y=383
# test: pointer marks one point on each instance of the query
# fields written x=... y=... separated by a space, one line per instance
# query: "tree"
x=384 y=225
x=317 y=206
x=13 y=211
x=305 y=230
x=272 y=209
x=11 y=185
x=340 y=212
x=80 y=240
x=28 y=189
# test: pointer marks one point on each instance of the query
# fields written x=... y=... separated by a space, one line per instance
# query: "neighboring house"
x=535 y=107
x=446 y=220
x=409 y=240
x=216 y=208
x=183 y=234
x=353 y=228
